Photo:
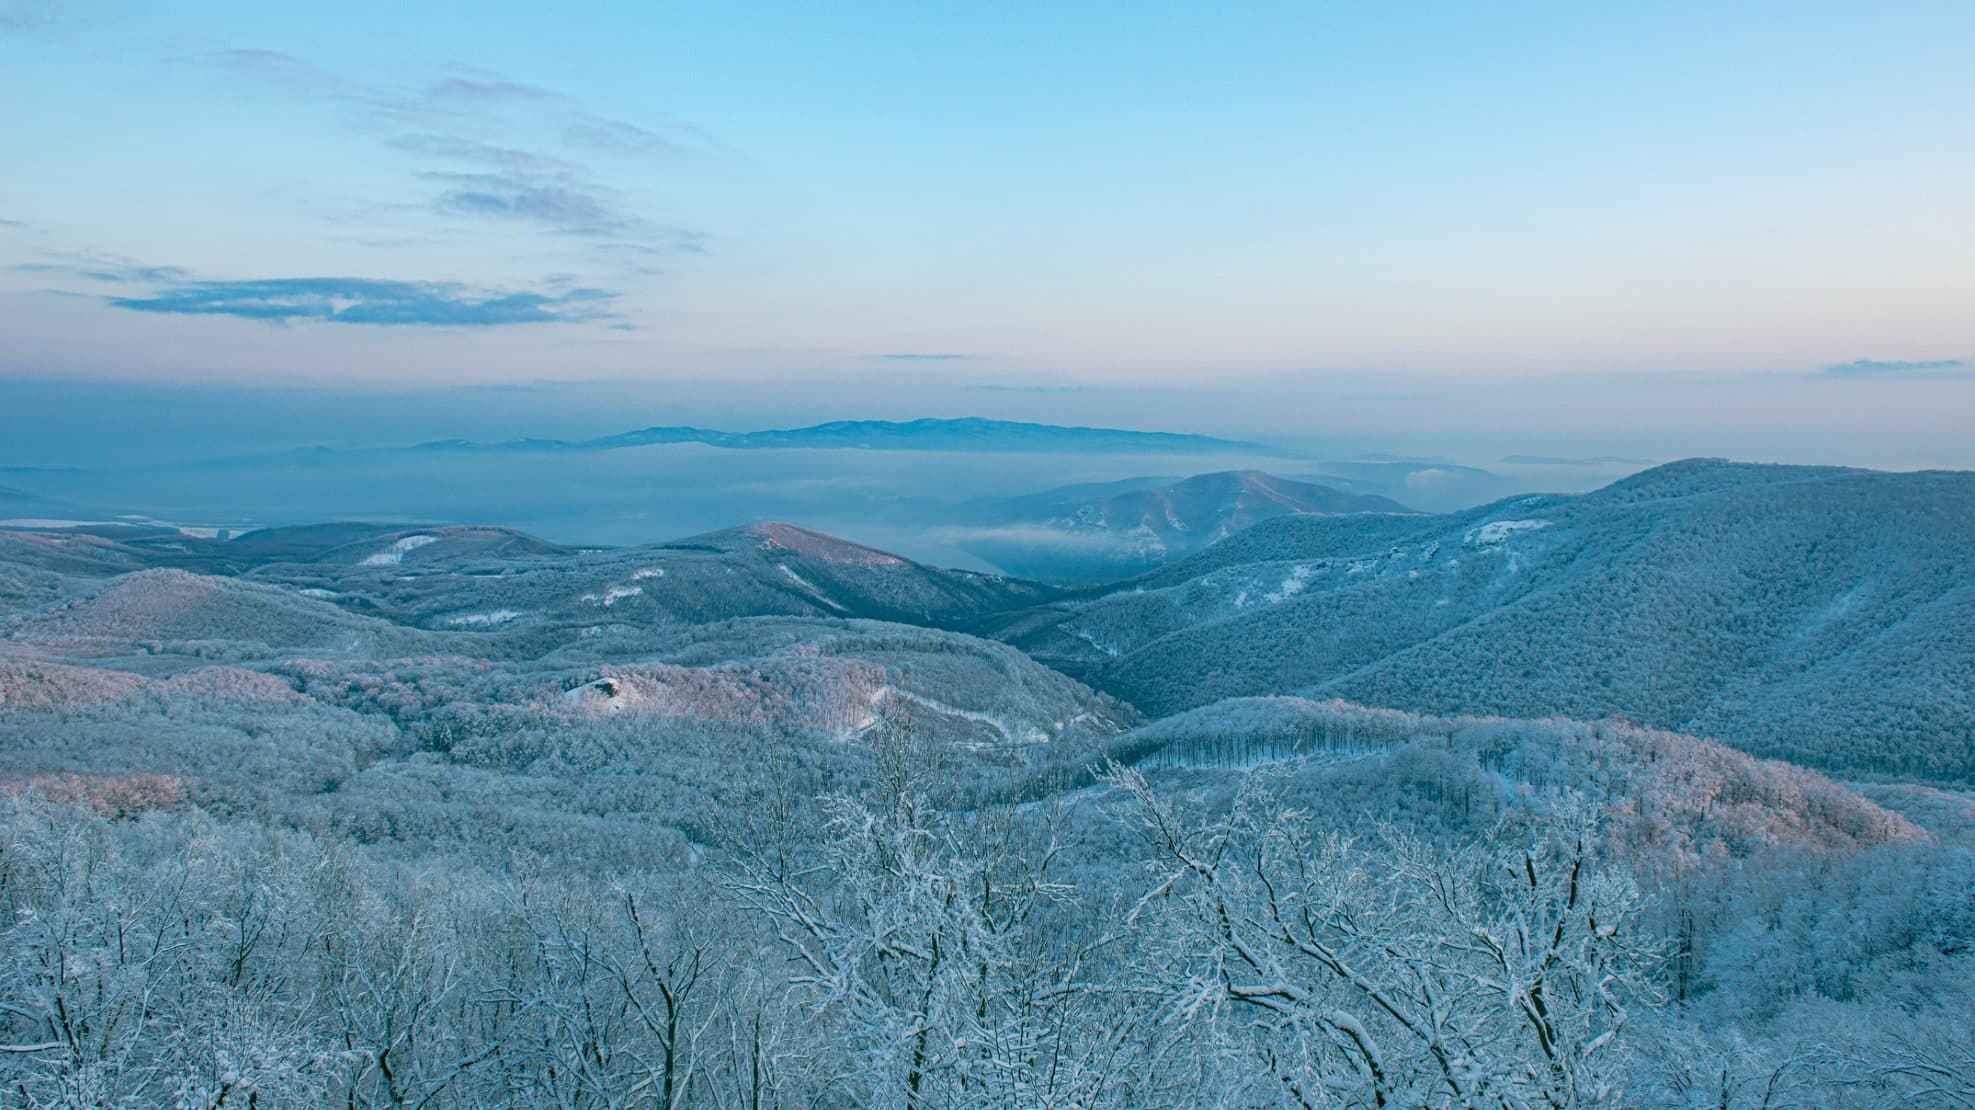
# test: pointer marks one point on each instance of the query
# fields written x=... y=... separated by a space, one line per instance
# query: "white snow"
x=395 y=554
x=1496 y=531
x=1010 y=734
x=497 y=616
x=647 y=572
x=593 y=693
x=613 y=595
x=1291 y=585
x=1087 y=637
x=808 y=585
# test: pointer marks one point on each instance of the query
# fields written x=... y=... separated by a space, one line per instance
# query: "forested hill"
x=1814 y=614
x=463 y=577
x=1104 y=532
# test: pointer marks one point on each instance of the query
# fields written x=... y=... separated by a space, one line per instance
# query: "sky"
x=1414 y=214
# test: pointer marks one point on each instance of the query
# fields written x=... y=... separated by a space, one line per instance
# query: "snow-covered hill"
x=1813 y=614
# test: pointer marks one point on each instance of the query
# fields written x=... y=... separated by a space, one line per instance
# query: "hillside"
x=522 y=588
x=1110 y=531
x=1670 y=799
x=177 y=612
x=1812 y=614
x=378 y=545
x=847 y=678
x=418 y=673
x=481 y=578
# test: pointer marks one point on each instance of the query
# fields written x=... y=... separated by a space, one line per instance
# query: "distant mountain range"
x=1090 y=533
x=1814 y=614
x=965 y=434
x=894 y=483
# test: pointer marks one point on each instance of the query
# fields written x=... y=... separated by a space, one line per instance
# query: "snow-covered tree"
x=1319 y=969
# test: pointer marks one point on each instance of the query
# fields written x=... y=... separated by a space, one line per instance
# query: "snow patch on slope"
x=1498 y=531
x=395 y=554
x=497 y=616
x=809 y=586
x=1010 y=734
x=1292 y=585
x=614 y=594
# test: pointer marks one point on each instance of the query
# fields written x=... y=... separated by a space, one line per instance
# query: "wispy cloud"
x=505 y=182
x=1899 y=368
x=1002 y=387
x=138 y=274
x=286 y=72
x=928 y=356
x=556 y=206
x=31 y=15
x=94 y=266
x=436 y=123
x=347 y=300
x=462 y=149
x=487 y=90
x=620 y=138
x=479 y=152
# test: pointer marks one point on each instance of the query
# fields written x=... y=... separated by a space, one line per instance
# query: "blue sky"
x=1060 y=196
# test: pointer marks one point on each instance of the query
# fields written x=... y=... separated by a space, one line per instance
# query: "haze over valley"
x=960 y=491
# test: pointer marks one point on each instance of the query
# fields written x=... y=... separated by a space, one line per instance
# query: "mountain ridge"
x=1804 y=613
x=1093 y=532
x=925 y=433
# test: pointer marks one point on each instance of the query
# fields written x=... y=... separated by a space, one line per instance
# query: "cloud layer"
x=1899 y=368
x=345 y=300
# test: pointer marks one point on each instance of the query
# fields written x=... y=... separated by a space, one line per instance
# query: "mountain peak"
x=819 y=545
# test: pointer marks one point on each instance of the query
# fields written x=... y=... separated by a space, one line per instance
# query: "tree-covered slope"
x=1104 y=532
x=1814 y=614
